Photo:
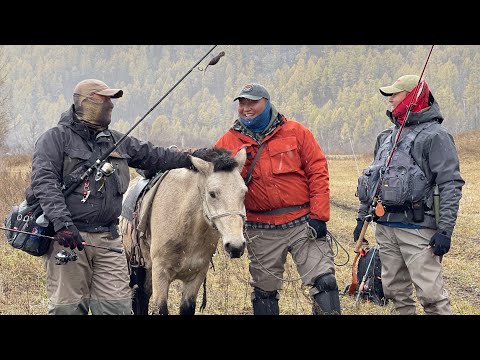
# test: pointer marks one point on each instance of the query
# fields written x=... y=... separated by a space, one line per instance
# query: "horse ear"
x=205 y=167
x=240 y=158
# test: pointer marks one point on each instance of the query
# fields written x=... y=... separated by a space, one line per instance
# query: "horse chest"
x=189 y=267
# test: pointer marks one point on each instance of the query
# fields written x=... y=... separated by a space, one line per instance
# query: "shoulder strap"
x=249 y=174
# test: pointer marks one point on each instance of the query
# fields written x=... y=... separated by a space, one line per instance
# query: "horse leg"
x=160 y=285
x=190 y=293
x=147 y=287
x=142 y=293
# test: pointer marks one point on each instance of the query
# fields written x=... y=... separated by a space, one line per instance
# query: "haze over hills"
x=333 y=89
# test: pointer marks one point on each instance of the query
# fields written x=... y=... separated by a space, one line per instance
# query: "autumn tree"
x=5 y=124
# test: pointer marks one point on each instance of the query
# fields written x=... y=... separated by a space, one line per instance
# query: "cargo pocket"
x=421 y=187
x=74 y=166
x=284 y=155
x=395 y=186
x=367 y=183
x=121 y=173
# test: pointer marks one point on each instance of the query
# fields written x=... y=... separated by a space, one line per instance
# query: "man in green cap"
x=412 y=236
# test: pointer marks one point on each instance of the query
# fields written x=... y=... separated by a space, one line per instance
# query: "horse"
x=190 y=211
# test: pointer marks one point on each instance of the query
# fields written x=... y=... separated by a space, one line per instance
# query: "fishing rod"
x=380 y=210
x=105 y=168
x=354 y=156
x=117 y=250
x=364 y=278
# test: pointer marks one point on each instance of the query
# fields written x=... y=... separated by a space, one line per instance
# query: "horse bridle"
x=211 y=219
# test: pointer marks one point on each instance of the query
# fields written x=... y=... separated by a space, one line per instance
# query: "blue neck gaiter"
x=260 y=122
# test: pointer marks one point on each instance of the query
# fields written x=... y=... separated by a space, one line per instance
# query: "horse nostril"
x=234 y=252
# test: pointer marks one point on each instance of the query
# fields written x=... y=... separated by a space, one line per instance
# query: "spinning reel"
x=63 y=257
x=106 y=169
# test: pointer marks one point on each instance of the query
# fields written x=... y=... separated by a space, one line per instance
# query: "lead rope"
x=312 y=235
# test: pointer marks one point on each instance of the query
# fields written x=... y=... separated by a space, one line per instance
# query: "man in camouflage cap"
x=98 y=281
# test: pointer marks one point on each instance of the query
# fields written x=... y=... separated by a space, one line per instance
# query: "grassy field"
x=22 y=288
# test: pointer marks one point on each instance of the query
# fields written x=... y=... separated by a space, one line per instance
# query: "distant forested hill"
x=332 y=89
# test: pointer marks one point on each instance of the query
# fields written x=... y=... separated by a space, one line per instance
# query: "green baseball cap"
x=403 y=83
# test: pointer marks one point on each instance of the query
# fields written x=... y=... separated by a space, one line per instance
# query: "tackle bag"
x=29 y=218
x=372 y=289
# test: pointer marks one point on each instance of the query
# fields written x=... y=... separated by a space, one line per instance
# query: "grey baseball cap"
x=253 y=91
x=403 y=83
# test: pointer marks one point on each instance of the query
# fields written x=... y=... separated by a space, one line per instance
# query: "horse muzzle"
x=234 y=249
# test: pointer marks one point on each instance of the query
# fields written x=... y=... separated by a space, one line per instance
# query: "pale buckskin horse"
x=191 y=211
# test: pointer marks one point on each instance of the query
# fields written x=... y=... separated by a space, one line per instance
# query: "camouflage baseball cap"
x=253 y=91
x=403 y=83
x=89 y=87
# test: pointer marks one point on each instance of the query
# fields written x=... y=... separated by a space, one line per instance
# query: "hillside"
x=22 y=289
x=333 y=89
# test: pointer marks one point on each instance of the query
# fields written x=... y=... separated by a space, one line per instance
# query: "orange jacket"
x=291 y=170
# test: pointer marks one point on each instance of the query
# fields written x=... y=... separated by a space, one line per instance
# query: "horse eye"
x=212 y=194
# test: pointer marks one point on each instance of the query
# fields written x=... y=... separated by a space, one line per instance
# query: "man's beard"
x=96 y=115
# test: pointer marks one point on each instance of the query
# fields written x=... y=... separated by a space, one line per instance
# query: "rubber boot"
x=265 y=302
x=327 y=301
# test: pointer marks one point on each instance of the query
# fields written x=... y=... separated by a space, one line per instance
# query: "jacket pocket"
x=74 y=165
x=284 y=155
x=121 y=173
x=368 y=182
x=395 y=186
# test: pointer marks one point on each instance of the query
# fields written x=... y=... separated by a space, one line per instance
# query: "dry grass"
x=228 y=292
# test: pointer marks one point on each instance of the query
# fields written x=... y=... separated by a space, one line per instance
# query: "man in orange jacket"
x=288 y=202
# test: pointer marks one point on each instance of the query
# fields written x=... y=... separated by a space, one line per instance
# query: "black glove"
x=440 y=242
x=69 y=237
x=202 y=153
x=319 y=226
x=357 y=231
x=146 y=173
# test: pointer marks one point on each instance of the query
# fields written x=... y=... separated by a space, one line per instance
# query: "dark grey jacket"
x=67 y=150
x=434 y=151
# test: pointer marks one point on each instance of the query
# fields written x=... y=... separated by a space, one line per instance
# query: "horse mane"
x=220 y=157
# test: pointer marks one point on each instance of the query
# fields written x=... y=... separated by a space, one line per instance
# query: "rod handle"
x=358 y=244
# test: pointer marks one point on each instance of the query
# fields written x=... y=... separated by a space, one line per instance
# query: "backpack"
x=29 y=218
x=372 y=289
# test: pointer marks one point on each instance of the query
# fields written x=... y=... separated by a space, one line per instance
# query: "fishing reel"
x=63 y=257
x=106 y=169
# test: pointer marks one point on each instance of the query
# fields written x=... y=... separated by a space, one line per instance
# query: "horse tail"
x=204 y=297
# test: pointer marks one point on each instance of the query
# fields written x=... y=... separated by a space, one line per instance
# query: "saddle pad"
x=146 y=205
x=130 y=202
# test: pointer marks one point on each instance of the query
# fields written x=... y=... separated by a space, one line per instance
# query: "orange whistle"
x=379 y=210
